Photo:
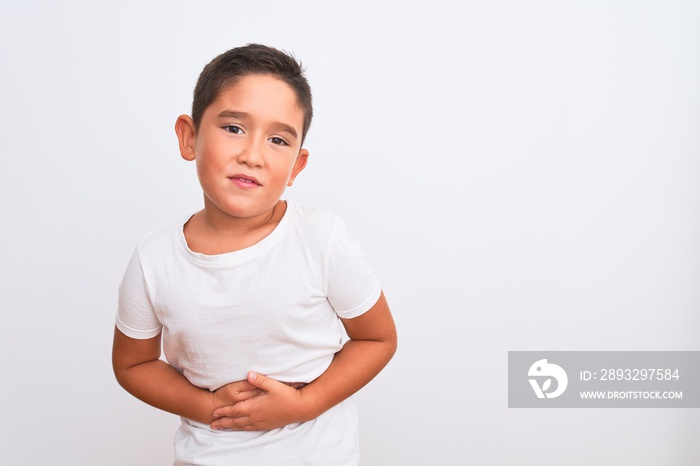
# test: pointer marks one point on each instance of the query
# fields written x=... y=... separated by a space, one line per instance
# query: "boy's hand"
x=274 y=404
x=232 y=393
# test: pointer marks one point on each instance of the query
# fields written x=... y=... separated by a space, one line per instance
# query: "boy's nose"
x=251 y=153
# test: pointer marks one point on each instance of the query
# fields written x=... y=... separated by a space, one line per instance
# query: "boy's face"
x=248 y=146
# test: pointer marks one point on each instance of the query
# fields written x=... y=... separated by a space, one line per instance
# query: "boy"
x=250 y=293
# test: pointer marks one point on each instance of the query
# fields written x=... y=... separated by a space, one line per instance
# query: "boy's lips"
x=244 y=181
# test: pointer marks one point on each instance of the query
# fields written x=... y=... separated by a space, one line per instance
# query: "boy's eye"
x=278 y=141
x=233 y=129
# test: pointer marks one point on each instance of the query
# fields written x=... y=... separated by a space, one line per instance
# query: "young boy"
x=251 y=294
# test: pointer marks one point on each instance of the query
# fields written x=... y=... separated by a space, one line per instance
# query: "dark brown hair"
x=224 y=70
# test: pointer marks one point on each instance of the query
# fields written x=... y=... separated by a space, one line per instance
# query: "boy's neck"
x=210 y=231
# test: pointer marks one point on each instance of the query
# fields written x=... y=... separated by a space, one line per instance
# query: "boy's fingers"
x=241 y=396
x=231 y=423
x=232 y=411
x=230 y=399
x=240 y=386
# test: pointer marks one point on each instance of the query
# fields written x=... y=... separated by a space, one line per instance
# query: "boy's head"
x=224 y=70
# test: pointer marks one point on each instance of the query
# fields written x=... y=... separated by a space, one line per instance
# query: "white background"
x=524 y=175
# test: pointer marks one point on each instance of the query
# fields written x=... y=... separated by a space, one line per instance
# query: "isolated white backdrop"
x=524 y=175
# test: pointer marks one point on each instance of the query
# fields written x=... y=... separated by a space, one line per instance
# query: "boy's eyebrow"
x=232 y=114
x=283 y=126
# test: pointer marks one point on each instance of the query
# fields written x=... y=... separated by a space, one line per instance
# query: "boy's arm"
x=372 y=344
x=139 y=370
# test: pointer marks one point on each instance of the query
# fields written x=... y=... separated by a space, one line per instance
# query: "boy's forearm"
x=160 y=385
x=372 y=344
x=279 y=405
x=352 y=368
x=139 y=370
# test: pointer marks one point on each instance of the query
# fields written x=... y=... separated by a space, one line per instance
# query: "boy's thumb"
x=257 y=380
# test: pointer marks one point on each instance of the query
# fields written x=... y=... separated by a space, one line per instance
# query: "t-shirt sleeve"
x=135 y=315
x=353 y=287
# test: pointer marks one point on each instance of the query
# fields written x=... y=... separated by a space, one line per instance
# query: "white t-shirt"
x=272 y=308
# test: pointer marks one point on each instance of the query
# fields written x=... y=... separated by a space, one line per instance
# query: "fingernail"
x=252 y=376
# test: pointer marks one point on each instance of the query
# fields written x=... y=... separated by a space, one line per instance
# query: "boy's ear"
x=185 y=130
x=299 y=165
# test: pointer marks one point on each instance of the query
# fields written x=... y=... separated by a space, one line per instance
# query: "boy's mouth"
x=244 y=180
